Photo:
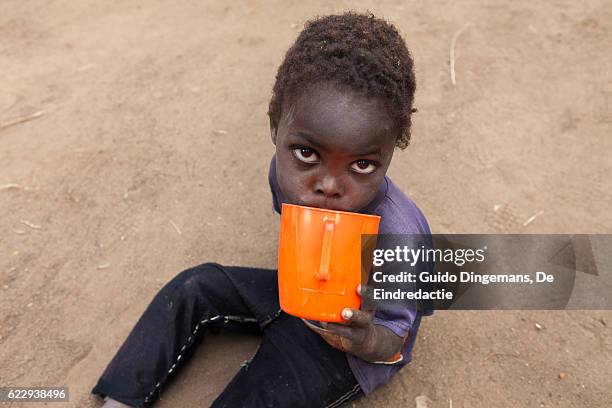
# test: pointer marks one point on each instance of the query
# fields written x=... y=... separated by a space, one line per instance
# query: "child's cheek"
x=293 y=185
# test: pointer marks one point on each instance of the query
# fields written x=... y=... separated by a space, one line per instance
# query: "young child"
x=341 y=103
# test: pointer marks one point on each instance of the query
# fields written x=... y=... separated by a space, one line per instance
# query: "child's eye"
x=363 y=166
x=306 y=155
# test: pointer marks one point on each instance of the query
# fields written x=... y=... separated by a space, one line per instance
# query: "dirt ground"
x=150 y=153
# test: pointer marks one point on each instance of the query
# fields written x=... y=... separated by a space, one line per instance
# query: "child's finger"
x=342 y=330
x=367 y=300
x=357 y=318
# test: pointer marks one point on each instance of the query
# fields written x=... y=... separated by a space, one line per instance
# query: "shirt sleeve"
x=398 y=321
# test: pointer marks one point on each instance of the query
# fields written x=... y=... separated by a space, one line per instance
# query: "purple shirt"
x=399 y=215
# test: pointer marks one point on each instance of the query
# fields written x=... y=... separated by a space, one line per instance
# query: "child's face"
x=333 y=148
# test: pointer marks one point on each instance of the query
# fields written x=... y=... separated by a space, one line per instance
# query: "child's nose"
x=329 y=186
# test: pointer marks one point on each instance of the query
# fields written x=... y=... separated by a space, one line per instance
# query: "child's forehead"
x=335 y=116
x=330 y=97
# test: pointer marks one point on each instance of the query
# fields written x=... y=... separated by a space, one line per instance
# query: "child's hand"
x=364 y=339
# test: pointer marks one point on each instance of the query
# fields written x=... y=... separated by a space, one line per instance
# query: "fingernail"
x=347 y=313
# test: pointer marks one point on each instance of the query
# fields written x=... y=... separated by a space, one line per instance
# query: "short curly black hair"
x=358 y=51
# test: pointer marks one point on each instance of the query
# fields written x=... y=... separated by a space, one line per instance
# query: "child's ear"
x=273 y=128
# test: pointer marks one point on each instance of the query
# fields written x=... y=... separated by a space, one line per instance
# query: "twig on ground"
x=103 y=266
x=452 y=53
x=533 y=217
x=29 y=224
x=21 y=119
x=9 y=186
x=517 y=354
x=178 y=230
x=85 y=67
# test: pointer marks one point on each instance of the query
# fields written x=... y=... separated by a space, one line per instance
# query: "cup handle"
x=328 y=234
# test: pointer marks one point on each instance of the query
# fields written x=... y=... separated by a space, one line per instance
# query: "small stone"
x=561 y=375
x=422 y=401
x=538 y=326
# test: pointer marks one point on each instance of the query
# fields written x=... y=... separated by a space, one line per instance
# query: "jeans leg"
x=162 y=339
x=293 y=367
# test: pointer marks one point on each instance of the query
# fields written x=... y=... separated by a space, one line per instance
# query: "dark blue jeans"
x=293 y=367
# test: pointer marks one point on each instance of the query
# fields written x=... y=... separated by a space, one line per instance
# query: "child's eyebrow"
x=371 y=151
x=309 y=139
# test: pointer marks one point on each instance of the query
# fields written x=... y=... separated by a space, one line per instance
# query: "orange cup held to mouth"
x=320 y=262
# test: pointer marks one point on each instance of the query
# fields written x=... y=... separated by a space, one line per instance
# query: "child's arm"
x=364 y=339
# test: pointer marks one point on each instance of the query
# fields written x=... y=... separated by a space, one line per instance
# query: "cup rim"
x=325 y=210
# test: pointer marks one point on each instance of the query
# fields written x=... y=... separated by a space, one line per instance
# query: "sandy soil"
x=151 y=153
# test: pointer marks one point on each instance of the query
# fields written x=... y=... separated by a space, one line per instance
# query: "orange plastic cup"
x=319 y=260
